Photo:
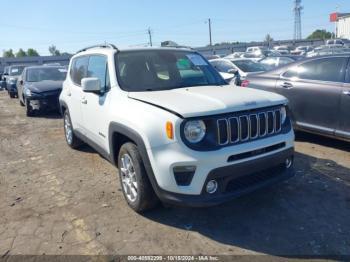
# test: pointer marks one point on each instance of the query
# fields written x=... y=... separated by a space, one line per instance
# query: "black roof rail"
x=100 y=46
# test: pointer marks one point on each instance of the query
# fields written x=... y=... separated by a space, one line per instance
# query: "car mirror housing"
x=91 y=85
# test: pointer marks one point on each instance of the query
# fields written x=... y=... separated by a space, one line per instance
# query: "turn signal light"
x=169 y=130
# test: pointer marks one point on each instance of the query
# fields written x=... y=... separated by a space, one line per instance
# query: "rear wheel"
x=137 y=189
x=12 y=95
x=71 y=139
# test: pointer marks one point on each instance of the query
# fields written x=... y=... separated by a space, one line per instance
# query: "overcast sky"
x=73 y=24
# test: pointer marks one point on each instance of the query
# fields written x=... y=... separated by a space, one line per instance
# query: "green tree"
x=8 y=53
x=21 y=53
x=320 y=34
x=54 y=51
x=32 y=52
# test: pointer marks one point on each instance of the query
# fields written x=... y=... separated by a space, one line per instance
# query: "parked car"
x=39 y=88
x=176 y=131
x=276 y=61
x=328 y=51
x=234 y=55
x=301 y=50
x=283 y=49
x=244 y=67
x=256 y=49
x=11 y=77
x=318 y=90
x=342 y=42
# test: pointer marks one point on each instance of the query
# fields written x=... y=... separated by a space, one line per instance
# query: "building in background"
x=342 y=24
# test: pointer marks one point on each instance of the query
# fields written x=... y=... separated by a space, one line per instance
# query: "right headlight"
x=194 y=131
x=283 y=114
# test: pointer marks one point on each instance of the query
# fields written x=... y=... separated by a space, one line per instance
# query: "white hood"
x=209 y=100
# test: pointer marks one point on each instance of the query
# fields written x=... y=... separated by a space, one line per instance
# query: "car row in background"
x=238 y=68
x=318 y=90
x=37 y=87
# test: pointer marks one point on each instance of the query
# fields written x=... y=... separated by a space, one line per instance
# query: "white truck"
x=176 y=131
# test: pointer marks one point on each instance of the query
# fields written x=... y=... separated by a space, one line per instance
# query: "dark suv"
x=11 y=77
x=318 y=90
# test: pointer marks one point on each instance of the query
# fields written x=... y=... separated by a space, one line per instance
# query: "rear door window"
x=325 y=69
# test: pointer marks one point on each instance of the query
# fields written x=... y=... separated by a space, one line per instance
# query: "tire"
x=29 y=110
x=12 y=95
x=72 y=140
x=133 y=178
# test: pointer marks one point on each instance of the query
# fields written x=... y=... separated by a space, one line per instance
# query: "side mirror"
x=233 y=71
x=91 y=85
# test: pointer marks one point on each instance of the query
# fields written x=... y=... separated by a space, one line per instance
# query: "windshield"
x=149 y=70
x=48 y=73
x=16 y=70
x=249 y=66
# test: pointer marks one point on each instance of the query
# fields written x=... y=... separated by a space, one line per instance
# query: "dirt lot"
x=55 y=200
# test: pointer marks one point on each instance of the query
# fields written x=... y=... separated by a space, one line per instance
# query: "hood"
x=44 y=86
x=209 y=100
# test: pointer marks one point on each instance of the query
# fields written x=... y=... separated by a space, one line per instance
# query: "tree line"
x=32 y=52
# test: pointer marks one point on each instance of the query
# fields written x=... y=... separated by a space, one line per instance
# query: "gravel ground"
x=55 y=200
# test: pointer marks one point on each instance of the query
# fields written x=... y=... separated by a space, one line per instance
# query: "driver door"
x=95 y=105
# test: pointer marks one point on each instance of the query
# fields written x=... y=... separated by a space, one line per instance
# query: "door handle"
x=84 y=101
x=287 y=85
x=347 y=93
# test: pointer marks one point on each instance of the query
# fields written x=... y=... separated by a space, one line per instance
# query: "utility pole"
x=149 y=31
x=209 y=22
x=297 y=19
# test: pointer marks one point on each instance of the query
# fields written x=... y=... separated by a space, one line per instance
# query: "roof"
x=44 y=66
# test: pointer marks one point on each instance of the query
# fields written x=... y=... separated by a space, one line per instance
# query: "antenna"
x=297 y=19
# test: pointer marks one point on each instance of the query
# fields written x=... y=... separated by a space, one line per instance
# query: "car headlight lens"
x=283 y=114
x=194 y=131
x=27 y=92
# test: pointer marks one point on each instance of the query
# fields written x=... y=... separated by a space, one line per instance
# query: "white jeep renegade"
x=173 y=127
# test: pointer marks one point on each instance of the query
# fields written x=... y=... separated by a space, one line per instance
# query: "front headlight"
x=194 y=131
x=27 y=92
x=283 y=114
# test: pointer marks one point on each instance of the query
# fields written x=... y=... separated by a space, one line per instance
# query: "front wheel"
x=12 y=95
x=29 y=109
x=136 y=186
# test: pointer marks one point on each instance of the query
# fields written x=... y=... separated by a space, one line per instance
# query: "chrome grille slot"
x=262 y=124
x=278 y=121
x=243 y=127
x=270 y=122
x=234 y=129
x=223 y=131
x=254 y=126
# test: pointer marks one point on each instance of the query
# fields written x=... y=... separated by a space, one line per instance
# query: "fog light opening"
x=289 y=163
x=212 y=186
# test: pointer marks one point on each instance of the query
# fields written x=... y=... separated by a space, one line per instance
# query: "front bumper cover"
x=236 y=180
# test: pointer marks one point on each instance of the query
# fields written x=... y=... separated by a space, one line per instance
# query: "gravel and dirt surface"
x=55 y=200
